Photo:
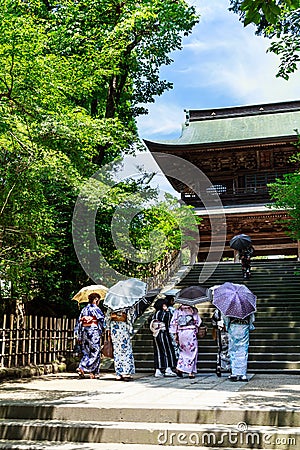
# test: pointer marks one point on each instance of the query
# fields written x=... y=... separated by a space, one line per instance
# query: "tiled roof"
x=238 y=128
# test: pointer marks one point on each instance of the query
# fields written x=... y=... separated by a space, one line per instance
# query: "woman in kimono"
x=89 y=331
x=220 y=335
x=238 y=344
x=170 y=304
x=120 y=325
x=184 y=324
x=164 y=353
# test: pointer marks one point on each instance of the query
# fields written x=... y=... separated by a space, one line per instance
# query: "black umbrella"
x=240 y=242
x=146 y=300
x=192 y=295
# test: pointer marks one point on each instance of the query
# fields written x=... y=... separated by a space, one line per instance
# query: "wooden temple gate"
x=241 y=150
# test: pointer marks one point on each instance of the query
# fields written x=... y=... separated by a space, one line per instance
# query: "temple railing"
x=237 y=196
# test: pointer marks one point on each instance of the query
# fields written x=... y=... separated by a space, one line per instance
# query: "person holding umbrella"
x=185 y=324
x=89 y=330
x=121 y=301
x=243 y=244
x=164 y=352
x=237 y=305
x=245 y=258
x=220 y=335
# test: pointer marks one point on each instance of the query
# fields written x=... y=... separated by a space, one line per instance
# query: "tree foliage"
x=286 y=193
x=275 y=19
x=72 y=77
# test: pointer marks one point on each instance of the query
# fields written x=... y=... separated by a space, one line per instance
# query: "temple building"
x=241 y=150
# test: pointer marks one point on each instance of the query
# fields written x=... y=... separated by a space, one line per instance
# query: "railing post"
x=2 y=361
x=235 y=256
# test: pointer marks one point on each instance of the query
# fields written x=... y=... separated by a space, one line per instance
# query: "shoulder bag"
x=107 y=347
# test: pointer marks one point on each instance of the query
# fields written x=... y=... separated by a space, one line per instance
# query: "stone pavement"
x=267 y=403
x=263 y=392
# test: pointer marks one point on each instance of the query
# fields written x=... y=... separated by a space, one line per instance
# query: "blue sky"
x=221 y=64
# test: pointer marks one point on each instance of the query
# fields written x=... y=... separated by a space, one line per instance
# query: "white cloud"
x=164 y=118
x=222 y=64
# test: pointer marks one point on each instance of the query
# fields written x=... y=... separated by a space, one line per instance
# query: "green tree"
x=275 y=19
x=72 y=78
x=285 y=193
x=134 y=229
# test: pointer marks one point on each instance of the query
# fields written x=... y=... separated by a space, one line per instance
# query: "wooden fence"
x=34 y=340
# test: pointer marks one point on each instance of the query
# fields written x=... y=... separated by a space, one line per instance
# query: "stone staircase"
x=205 y=413
x=275 y=343
x=63 y=413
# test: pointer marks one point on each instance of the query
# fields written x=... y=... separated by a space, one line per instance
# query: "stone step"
x=30 y=413
x=263 y=370
x=277 y=287
x=268 y=333
x=44 y=445
x=211 y=346
x=147 y=433
x=253 y=356
x=210 y=364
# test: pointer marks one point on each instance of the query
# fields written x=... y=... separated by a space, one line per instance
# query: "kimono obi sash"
x=118 y=316
x=88 y=321
x=239 y=321
x=185 y=321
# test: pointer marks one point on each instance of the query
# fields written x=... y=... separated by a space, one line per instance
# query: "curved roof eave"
x=236 y=130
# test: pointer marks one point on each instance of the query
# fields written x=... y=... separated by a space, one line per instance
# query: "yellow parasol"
x=82 y=295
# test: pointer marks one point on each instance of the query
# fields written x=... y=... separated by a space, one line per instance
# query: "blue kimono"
x=90 y=338
x=238 y=342
x=120 y=336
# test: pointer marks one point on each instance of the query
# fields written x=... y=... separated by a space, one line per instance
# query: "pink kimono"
x=185 y=322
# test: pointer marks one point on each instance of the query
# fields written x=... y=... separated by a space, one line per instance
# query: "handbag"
x=107 y=347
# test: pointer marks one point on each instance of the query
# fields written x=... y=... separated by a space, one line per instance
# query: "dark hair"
x=170 y=300
x=92 y=297
x=158 y=305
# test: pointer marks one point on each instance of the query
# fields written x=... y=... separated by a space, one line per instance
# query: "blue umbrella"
x=234 y=300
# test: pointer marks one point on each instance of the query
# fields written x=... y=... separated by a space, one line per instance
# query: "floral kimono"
x=238 y=340
x=185 y=323
x=221 y=336
x=120 y=336
x=90 y=338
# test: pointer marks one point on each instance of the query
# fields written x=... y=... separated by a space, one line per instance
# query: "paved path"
x=149 y=411
x=205 y=391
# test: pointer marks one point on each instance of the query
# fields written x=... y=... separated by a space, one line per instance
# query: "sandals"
x=232 y=378
x=80 y=373
x=124 y=378
x=191 y=375
x=243 y=378
x=238 y=378
x=127 y=378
